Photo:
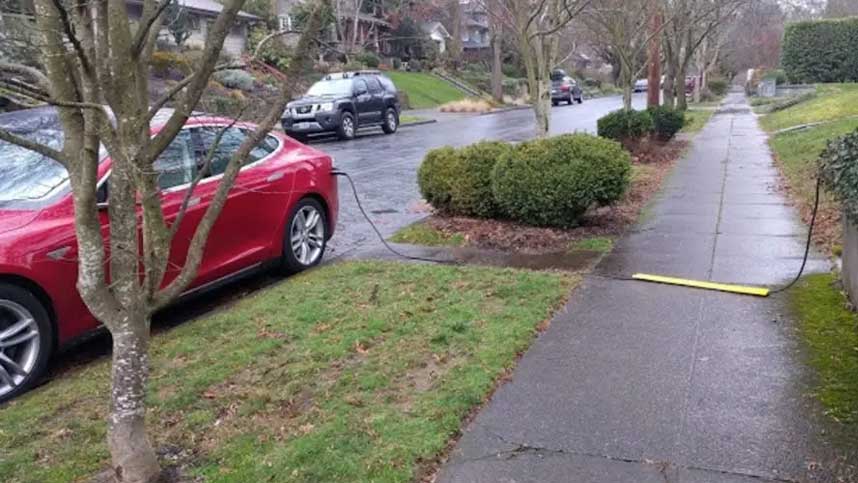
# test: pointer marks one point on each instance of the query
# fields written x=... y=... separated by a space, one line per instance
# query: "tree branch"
x=25 y=143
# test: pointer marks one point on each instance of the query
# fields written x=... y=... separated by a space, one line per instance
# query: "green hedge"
x=821 y=51
x=552 y=182
x=458 y=182
x=625 y=125
x=838 y=166
x=666 y=121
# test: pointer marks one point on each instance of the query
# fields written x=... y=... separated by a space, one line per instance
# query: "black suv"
x=564 y=88
x=343 y=103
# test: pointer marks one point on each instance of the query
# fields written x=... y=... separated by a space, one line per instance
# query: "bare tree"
x=535 y=26
x=97 y=76
x=694 y=21
x=622 y=25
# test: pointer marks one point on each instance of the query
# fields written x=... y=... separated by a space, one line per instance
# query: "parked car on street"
x=283 y=210
x=641 y=85
x=689 y=84
x=342 y=103
x=564 y=88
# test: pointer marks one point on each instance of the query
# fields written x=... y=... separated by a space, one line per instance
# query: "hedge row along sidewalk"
x=358 y=371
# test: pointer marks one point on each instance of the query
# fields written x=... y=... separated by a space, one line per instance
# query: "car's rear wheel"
x=26 y=340
x=348 y=127
x=580 y=99
x=391 y=121
x=555 y=103
x=570 y=101
x=306 y=236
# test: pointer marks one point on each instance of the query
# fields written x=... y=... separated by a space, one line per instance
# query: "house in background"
x=438 y=34
x=202 y=14
x=475 y=27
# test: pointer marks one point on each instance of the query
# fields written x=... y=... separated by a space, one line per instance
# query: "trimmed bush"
x=666 y=122
x=458 y=182
x=553 y=181
x=718 y=87
x=821 y=51
x=166 y=64
x=625 y=125
x=234 y=79
x=434 y=177
x=838 y=166
x=369 y=59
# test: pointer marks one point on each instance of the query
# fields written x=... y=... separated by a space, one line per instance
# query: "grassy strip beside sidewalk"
x=832 y=102
x=358 y=371
x=830 y=333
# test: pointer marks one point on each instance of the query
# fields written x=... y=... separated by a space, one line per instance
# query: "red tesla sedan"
x=282 y=208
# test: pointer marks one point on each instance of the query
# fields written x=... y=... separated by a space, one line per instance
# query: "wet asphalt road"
x=384 y=168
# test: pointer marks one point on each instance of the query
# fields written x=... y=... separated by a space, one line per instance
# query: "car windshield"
x=26 y=176
x=335 y=87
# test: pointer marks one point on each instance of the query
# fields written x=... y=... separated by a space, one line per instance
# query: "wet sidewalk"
x=637 y=382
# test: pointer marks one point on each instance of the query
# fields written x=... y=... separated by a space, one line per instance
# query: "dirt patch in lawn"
x=651 y=164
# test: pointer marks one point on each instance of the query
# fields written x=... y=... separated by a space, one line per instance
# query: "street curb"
x=419 y=123
x=505 y=109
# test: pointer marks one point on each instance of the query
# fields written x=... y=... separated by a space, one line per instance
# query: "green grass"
x=797 y=152
x=423 y=234
x=424 y=90
x=695 y=120
x=356 y=371
x=594 y=244
x=406 y=119
x=830 y=333
x=833 y=102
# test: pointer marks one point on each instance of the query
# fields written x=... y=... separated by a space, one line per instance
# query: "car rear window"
x=387 y=84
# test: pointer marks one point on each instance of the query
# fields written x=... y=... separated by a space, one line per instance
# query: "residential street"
x=384 y=168
x=643 y=382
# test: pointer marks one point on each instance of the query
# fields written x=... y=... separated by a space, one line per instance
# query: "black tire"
x=291 y=260
x=580 y=100
x=570 y=101
x=15 y=298
x=390 y=122
x=555 y=103
x=347 y=127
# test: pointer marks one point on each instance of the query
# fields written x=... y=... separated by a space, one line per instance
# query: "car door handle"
x=193 y=201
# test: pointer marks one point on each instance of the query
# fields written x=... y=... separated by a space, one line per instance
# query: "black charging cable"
x=337 y=172
x=809 y=238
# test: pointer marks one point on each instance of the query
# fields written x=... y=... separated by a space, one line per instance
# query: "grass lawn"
x=423 y=234
x=695 y=119
x=424 y=90
x=358 y=371
x=596 y=244
x=830 y=334
x=406 y=119
x=833 y=101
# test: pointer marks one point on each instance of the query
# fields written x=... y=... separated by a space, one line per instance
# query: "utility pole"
x=654 y=56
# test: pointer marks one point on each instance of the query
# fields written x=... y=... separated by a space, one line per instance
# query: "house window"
x=284 y=22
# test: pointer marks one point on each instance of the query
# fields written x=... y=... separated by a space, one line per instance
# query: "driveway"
x=384 y=168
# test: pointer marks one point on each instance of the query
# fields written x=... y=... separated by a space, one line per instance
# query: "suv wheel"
x=306 y=236
x=391 y=121
x=26 y=340
x=347 y=127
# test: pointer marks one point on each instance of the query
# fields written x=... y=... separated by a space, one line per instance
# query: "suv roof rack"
x=349 y=74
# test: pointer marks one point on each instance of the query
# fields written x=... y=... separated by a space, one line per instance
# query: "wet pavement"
x=638 y=382
x=384 y=168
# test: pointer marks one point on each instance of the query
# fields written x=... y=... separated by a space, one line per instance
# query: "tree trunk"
x=133 y=458
x=681 y=100
x=456 y=40
x=654 y=58
x=497 y=63
x=628 y=85
x=542 y=109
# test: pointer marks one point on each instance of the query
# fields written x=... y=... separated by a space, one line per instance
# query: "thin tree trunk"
x=456 y=34
x=497 y=62
x=654 y=58
x=133 y=458
x=681 y=100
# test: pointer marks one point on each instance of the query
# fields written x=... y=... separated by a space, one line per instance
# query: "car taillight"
x=564 y=88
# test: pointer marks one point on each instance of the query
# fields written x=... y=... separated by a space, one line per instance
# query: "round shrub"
x=666 y=122
x=625 y=125
x=369 y=59
x=458 y=182
x=471 y=184
x=553 y=181
x=434 y=177
x=235 y=79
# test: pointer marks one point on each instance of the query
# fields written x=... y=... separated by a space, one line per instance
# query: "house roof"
x=430 y=27
x=205 y=7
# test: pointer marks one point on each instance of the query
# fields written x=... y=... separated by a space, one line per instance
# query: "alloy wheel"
x=307 y=235
x=391 y=120
x=348 y=126
x=19 y=345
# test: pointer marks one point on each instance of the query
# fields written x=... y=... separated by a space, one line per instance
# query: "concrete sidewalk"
x=638 y=382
